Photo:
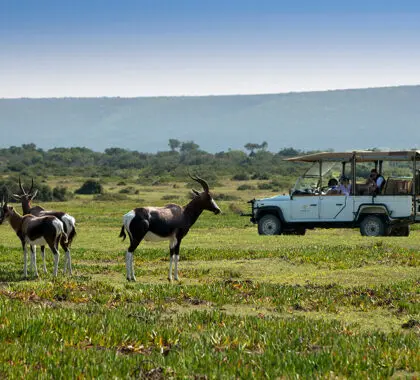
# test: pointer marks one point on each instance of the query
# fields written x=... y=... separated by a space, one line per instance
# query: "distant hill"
x=342 y=119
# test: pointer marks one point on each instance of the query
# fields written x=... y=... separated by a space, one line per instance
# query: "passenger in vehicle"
x=344 y=188
x=376 y=182
x=332 y=187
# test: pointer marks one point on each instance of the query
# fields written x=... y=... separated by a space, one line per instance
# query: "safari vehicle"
x=310 y=204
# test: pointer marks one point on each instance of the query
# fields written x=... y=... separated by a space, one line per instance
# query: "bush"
x=61 y=194
x=128 y=190
x=265 y=186
x=240 y=177
x=170 y=197
x=261 y=176
x=45 y=193
x=90 y=187
x=245 y=187
x=225 y=197
x=110 y=197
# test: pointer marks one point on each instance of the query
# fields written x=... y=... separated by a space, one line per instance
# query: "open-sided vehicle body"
x=311 y=204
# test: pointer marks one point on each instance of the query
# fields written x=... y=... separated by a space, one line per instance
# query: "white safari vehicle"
x=314 y=204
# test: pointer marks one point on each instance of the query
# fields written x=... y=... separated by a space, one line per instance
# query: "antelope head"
x=4 y=210
x=205 y=197
x=26 y=197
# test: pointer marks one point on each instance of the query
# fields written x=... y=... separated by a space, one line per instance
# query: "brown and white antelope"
x=68 y=221
x=32 y=230
x=171 y=222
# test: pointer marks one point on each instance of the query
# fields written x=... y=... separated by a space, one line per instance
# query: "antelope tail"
x=122 y=233
x=64 y=237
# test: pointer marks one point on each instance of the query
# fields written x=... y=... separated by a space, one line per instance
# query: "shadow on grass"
x=12 y=275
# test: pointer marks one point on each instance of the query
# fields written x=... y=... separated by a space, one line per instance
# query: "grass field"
x=328 y=304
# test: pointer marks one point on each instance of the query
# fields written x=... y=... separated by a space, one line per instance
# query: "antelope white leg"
x=43 y=259
x=170 y=267
x=65 y=262
x=25 y=262
x=34 y=268
x=127 y=265
x=133 y=277
x=176 y=267
x=56 y=260
x=69 y=262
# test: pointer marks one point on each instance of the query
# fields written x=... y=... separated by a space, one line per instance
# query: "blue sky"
x=151 y=48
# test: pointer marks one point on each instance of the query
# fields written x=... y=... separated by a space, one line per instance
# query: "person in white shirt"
x=344 y=188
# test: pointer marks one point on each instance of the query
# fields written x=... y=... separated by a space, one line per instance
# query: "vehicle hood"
x=275 y=199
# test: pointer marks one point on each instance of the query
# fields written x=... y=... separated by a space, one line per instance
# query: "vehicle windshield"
x=312 y=183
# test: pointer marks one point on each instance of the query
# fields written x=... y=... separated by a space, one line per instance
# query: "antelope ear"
x=195 y=192
x=16 y=196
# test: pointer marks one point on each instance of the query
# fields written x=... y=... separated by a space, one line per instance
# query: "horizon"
x=159 y=48
x=213 y=95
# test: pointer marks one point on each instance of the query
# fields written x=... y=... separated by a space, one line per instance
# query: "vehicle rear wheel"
x=269 y=225
x=372 y=226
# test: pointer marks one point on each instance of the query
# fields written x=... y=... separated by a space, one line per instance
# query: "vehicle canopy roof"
x=360 y=155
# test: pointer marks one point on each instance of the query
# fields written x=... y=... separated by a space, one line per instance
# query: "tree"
x=174 y=144
x=252 y=147
x=189 y=146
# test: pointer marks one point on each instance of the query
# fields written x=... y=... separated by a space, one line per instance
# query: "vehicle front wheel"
x=269 y=225
x=372 y=226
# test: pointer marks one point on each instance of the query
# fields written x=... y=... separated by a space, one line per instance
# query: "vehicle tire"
x=400 y=231
x=372 y=226
x=269 y=225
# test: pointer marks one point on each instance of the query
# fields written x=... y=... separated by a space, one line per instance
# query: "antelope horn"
x=21 y=187
x=201 y=182
x=32 y=186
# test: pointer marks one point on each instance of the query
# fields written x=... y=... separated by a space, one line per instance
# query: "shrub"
x=45 y=193
x=265 y=186
x=170 y=197
x=225 y=197
x=110 y=197
x=128 y=190
x=261 y=176
x=240 y=177
x=62 y=194
x=90 y=187
x=245 y=187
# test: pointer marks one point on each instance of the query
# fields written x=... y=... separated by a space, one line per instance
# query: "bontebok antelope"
x=32 y=230
x=68 y=221
x=171 y=222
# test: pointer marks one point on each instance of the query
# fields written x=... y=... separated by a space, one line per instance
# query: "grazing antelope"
x=171 y=222
x=68 y=221
x=32 y=230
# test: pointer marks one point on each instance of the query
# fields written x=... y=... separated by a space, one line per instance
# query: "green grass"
x=327 y=304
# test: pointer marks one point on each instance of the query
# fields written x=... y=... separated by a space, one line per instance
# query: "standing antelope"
x=34 y=230
x=68 y=221
x=171 y=222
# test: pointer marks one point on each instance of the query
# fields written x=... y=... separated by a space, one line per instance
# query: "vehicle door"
x=305 y=208
x=331 y=207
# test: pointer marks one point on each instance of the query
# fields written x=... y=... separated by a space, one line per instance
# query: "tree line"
x=255 y=159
